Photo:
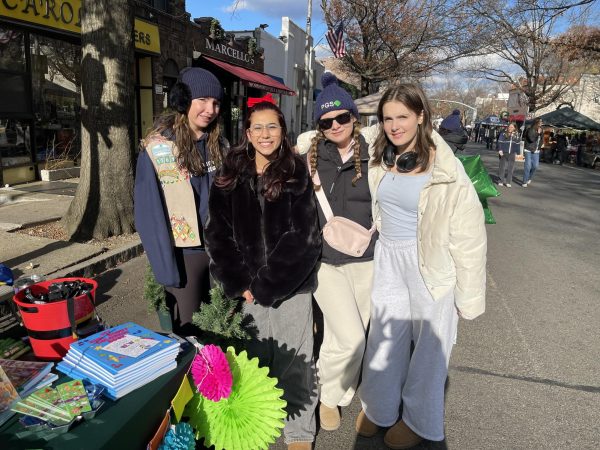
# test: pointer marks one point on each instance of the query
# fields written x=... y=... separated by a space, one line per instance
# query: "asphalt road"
x=526 y=374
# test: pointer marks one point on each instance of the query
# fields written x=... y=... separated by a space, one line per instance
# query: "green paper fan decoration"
x=251 y=418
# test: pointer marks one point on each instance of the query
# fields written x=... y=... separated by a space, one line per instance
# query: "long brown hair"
x=188 y=158
x=413 y=97
x=313 y=153
x=239 y=162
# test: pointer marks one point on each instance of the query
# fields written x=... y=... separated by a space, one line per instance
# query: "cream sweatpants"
x=402 y=311
x=344 y=297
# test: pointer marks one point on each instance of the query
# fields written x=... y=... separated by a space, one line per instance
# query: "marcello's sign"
x=64 y=15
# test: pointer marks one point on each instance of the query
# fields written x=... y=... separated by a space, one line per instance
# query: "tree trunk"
x=103 y=203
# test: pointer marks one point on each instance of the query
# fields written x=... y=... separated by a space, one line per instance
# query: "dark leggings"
x=185 y=301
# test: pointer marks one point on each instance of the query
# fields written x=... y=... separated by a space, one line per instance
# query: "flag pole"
x=307 y=68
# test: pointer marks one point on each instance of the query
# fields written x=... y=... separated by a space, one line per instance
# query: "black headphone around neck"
x=406 y=162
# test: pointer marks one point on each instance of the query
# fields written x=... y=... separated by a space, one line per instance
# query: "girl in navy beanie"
x=175 y=169
x=340 y=155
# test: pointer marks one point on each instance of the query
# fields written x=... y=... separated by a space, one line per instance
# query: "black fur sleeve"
x=295 y=255
x=226 y=262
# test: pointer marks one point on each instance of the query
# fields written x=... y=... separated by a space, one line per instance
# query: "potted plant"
x=156 y=296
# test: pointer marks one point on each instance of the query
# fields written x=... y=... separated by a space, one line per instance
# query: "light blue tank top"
x=398 y=197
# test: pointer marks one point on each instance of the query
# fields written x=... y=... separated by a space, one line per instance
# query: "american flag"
x=336 y=40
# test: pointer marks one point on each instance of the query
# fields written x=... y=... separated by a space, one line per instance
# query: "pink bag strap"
x=325 y=206
x=322 y=199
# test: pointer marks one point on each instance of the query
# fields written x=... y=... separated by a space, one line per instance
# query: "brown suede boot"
x=300 y=446
x=400 y=436
x=364 y=426
x=330 y=417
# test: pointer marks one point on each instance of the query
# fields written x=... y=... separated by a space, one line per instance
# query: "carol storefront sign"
x=65 y=16
x=56 y=14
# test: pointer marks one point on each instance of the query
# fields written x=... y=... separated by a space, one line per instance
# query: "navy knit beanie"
x=201 y=82
x=452 y=122
x=333 y=98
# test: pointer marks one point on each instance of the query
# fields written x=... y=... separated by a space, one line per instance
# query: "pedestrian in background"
x=263 y=239
x=429 y=268
x=581 y=143
x=562 y=145
x=508 y=147
x=340 y=157
x=533 y=139
x=175 y=169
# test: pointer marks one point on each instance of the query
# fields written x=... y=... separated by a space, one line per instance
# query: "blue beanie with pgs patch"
x=333 y=98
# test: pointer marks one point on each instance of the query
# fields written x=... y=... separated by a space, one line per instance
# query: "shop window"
x=170 y=74
x=56 y=88
x=13 y=92
x=12 y=50
x=15 y=142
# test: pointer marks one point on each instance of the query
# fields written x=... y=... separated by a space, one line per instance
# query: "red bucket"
x=48 y=324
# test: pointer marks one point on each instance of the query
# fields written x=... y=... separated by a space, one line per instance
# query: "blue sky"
x=251 y=13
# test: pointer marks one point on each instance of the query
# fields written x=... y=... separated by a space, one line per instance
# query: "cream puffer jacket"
x=452 y=242
x=451 y=236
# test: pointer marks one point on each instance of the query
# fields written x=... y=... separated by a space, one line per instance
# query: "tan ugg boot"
x=364 y=426
x=400 y=436
x=300 y=446
x=330 y=417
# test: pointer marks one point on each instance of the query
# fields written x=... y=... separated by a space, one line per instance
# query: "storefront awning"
x=253 y=79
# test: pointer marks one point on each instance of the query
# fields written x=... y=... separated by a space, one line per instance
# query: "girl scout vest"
x=177 y=190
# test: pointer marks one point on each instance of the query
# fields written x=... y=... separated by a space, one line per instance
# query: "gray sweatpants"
x=285 y=345
x=402 y=311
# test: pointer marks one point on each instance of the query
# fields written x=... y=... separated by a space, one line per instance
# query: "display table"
x=128 y=423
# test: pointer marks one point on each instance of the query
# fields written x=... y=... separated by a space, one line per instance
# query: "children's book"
x=8 y=393
x=74 y=398
x=25 y=375
x=67 y=364
x=122 y=348
x=117 y=391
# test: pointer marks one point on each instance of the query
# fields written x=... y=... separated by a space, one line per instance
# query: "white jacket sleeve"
x=304 y=141
x=468 y=247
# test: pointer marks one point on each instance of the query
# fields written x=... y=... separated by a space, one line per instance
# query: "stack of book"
x=11 y=348
x=121 y=359
x=18 y=379
x=56 y=406
x=28 y=376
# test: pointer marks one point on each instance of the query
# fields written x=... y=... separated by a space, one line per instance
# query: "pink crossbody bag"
x=340 y=233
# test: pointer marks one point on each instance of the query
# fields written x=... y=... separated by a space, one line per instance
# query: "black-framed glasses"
x=257 y=130
x=342 y=119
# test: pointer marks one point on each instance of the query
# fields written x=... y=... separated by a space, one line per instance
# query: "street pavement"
x=525 y=375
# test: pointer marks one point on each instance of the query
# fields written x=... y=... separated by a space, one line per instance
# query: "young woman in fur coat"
x=263 y=240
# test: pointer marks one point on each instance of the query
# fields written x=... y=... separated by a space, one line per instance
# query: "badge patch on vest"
x=182 y=230
x=166 y=163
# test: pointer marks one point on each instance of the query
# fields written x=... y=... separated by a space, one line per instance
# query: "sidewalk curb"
x=91 y=267
x=100 y=263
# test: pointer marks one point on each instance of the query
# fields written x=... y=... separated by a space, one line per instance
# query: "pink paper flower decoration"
x=211 y=373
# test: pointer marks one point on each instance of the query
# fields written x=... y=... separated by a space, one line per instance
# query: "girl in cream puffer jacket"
x=429 y=268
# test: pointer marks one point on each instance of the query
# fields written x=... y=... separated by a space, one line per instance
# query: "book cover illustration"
x=74 y=397
x=8 y=393
x=121 y=348
x=45 y=405
x=25 y=374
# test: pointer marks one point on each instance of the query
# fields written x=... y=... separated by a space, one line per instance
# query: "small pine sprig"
x=154 y=292
x=222 y=320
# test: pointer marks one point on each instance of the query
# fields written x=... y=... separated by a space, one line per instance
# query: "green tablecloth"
x=128 y=423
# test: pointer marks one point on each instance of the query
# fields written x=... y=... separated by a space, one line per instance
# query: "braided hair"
x=313 y=153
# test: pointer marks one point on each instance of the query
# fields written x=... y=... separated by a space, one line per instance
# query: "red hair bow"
x=255 y=100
